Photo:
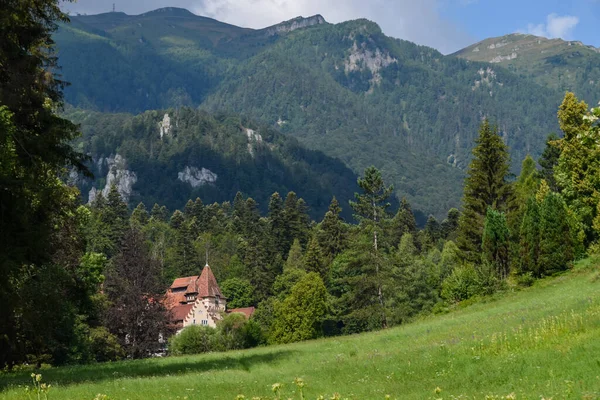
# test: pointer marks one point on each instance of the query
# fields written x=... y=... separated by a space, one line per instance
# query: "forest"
x=83 y=283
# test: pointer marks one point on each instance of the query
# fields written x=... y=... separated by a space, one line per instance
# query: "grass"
x=537 y=343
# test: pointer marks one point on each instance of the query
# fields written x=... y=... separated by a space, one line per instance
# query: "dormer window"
x=190 y=297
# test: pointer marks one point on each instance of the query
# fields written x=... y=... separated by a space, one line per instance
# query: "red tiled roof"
x=247 y=311
x=207 y=284
x=178 y=313
x=188 y=282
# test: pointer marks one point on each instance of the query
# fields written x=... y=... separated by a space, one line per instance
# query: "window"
x=194 y=322
x=204 y=322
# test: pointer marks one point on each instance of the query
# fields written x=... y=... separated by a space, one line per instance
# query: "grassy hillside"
x=556 y=63
x=540 y=342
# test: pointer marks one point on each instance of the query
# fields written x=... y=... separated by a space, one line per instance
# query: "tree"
x=450 y=224
x=34 y=149
x=529 y=239
x=433 y=229
x=136 y=315
x=557 y=243
x=578 y=166
x=496 y=242
x=313 y=259
x=300 y=315
x=239 y=292
x=278 y=226
x=296 y=218
x=371 y=210
x=115 y=217
x=549 y=160
x=486 y=186
x=332 y=233
x=140 y=215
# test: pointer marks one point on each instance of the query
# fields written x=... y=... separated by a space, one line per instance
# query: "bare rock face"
x=253 y=138
x=164 y=127
x=361 y=57
x=197 y=177
x=294 y=24
x=118 y=174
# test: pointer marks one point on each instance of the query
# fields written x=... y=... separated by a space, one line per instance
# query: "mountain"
x=168 y=157
x=345 y=89
x=556 y=63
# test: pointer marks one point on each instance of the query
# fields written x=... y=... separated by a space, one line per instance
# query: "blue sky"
x=447 y=25
x=488 y=18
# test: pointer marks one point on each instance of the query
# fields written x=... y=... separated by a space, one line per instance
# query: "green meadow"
x=541 y=342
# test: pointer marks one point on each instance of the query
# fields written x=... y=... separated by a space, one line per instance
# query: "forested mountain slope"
x=169 y=157
x=556 y=63
x=345 y=89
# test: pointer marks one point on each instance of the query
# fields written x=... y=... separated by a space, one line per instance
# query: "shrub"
x=193 y=340
x=462 y=284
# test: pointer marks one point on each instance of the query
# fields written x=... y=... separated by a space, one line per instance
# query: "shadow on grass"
x=69 y=375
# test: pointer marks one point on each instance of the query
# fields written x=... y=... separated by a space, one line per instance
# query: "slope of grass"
x=540 y=342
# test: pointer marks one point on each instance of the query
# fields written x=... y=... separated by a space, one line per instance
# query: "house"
x=197 y=300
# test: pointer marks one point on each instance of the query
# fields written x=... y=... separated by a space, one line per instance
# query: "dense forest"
x=171 y=156
x=345 y=89
x=84 y=282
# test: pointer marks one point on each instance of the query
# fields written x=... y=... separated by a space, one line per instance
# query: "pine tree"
x=557 y=248
x=332 y=233
x=486 y=186
x=403 y=222
x=297 y=221
x=313 y=259
x=140 y=215
x=529 y=239
x=496 y=242
x=278 y=225
x=371 y=210
x=549 y=160
x=115 y=216
x=433 y=229
x=450 y=224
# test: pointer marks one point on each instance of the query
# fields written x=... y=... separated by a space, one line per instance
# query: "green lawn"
x=540 y=342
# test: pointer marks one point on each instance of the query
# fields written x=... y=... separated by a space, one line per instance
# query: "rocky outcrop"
x=294 y=24
x=253 y=138
x=165 y=127
x=117 y=175
x=361 y=57
x=197 y=177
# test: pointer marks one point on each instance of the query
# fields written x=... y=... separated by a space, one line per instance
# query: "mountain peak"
x=294 y=24
x=169 y=11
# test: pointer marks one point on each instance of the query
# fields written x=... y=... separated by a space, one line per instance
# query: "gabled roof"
x=207 y=284
x=188 y=282
x=247 y=311
x=178 y=313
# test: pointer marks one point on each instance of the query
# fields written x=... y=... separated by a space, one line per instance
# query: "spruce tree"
x=277 y=225
x=332 y=233
x=557 y=248
x=529 y=239
x=496 y=242
x=403 y=222
x=313 y=259
x=549 y=160
x=450 y=224
x=371 y=210
x=486 y=186
x=140 y=215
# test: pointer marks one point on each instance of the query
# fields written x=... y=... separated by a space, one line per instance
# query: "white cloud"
x=556 y=26
x=418 y=21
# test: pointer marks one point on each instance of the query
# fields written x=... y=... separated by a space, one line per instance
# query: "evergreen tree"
x=313 y=259
x=300 y=315
x=557 y=248
x=239 y=293
x=115 y=216
x=297 y=221
x=486 y=186
x=278 y=229
x=450 y=224
x=371 y=210
x=549 y=160
x=332 y=233
x=496 y=243
x=403 y=222
x=433 y=229
x=529 y=239
x=140 y=215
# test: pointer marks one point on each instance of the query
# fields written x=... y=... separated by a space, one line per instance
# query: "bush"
x=194 y=339
x=104 y=345
x=462 y=284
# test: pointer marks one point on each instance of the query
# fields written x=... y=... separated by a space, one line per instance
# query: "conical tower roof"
x=207 y=284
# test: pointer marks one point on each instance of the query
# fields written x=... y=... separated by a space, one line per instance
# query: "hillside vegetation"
x=555 y=63
x=539 y=342
x=346 y=89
